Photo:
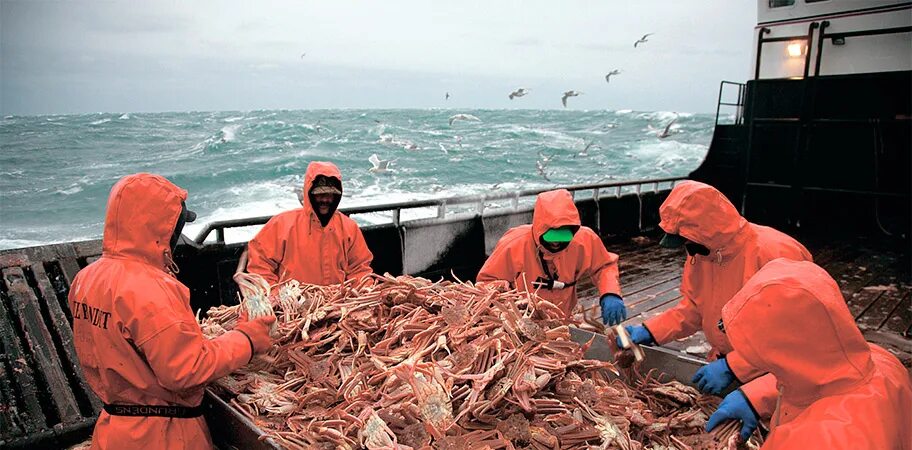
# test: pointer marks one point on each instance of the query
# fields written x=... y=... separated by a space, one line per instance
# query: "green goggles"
x=558 y=235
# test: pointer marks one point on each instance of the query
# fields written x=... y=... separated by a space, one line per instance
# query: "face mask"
x=324 y=218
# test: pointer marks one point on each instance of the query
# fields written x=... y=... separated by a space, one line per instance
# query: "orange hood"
x=553 y=209
x=314 y=169
x=142 y=212
x=702 y=214
x=790 y=319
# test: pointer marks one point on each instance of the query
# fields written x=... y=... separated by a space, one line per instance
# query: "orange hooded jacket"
x=518 y=254
x=738 y=249
x=137 y=340
x=294 y=245
x=836 y=390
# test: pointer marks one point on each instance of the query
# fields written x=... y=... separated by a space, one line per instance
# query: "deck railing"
x=480 y=202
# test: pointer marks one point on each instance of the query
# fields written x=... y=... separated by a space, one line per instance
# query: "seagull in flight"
x=541 y=164
x=463 y=117
x=379 y=166
x=613 y=72
x=519 y=93
x=642 y=40
x=303 y=55
x=667 y=131
x=585 y=151
x=447 y=96
x=569 y=94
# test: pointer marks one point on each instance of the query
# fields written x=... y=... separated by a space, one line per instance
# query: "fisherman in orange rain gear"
x=553 y=254
x=313 y=244
x=724 y=250
x=836 y=391
x=138 y=342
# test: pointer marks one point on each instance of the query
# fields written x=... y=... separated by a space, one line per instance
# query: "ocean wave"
x=100 y=121
x=388 y=139
x=23 y=243
x=663 y=116
x=70 y=190
x=229 y=133
x=249 y=164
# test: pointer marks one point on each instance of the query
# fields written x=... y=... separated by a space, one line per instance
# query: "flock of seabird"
x=383 y=166
x=521 y=92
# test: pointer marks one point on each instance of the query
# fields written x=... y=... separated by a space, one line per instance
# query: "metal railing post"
x=810 y=45
x=441 y=210
x=763 y=30
x=719 y=102
x=821 y=35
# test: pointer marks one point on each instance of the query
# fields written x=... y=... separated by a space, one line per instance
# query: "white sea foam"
x=100 y=121
x=70 y=190
x=668 y=153
x=124 y=116
x=229 y=133
x=22 y=243
x=662 y=116
x=388 y=139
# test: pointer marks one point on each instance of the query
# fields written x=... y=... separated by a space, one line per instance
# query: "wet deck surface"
x=873 y=275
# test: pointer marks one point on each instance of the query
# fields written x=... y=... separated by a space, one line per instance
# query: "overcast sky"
x=81 y=56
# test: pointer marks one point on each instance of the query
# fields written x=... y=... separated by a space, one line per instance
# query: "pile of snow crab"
x=403 y=362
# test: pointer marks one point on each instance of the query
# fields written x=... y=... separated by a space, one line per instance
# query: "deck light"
x=795 y=49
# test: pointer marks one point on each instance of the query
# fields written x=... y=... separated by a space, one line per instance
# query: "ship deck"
x=873 y=275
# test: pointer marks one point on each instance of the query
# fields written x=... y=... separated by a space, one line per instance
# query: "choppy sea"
x=56 y=170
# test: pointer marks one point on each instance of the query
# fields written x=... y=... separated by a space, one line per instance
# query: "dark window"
x=778 y=3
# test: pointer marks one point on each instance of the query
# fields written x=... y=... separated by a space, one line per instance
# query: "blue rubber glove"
x=638 y=334
x=613 y=309
x=735 y=406
x=714 y=377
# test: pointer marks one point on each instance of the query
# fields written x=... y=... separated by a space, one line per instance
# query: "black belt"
x=180 y=412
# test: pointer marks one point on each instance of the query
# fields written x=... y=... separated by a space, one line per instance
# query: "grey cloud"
x=142 y=56
x=120 y=21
